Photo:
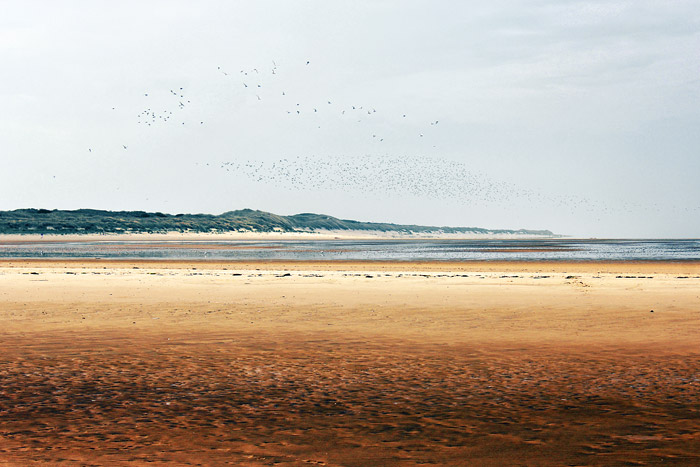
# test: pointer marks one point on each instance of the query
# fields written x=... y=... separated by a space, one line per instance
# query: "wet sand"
x=349 y=363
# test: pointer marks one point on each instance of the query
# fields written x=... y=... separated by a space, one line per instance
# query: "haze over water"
x=378 y=250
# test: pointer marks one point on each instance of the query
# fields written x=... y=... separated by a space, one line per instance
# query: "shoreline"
x=621 y=266
x=257 y=236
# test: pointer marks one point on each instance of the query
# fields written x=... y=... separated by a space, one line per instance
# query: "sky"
x=581 y=117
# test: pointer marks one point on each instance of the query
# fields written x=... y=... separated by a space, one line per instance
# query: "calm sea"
x=393 y=250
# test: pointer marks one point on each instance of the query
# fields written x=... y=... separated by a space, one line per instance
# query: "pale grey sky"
x=581 y=117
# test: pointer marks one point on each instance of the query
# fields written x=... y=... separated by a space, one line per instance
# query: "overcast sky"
x=582 y=117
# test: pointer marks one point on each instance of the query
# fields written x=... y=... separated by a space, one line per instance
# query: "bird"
x=123 y=146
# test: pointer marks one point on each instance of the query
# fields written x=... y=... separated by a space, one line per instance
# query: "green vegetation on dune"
x=82 y=221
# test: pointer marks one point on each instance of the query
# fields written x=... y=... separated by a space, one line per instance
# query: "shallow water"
x=390 y=250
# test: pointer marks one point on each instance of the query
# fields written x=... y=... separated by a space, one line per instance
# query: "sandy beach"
x=349 y=363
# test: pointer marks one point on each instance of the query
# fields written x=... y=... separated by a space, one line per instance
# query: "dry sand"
x=349 y=363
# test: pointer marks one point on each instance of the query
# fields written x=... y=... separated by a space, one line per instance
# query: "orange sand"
x=349 y=363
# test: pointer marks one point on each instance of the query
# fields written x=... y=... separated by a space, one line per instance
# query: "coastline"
x=691 y=267
x=259 y=236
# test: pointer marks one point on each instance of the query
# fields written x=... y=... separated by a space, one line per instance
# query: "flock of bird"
x=256 y=82
x=386 y=175
x=177 y=102
x=369 y=174
x=376 y=173
x=383 y=174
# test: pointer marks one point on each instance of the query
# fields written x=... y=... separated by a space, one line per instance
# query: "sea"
x=556 y=249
